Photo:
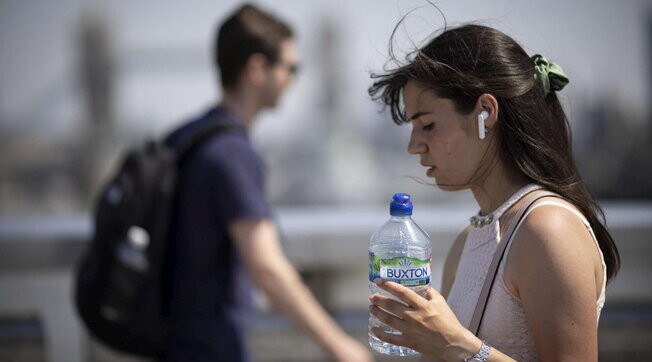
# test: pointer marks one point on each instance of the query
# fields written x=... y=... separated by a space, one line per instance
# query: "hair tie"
x=550 y=75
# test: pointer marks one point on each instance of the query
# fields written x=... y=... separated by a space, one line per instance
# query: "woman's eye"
x=428 y=127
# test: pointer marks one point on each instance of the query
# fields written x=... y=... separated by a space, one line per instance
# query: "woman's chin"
x=444 y=186
x=442 y=183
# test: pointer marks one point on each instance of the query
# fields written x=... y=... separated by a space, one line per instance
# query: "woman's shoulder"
x=550 y=223
x=552 y=243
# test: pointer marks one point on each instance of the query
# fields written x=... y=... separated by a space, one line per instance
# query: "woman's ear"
x=488 y=103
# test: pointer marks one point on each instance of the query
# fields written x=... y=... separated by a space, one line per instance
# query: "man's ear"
x=487 y=102
x=255 y=70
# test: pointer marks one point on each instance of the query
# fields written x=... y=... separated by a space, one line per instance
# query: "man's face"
x=280 y=74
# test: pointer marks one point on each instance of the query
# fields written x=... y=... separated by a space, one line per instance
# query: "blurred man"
x=222 y=230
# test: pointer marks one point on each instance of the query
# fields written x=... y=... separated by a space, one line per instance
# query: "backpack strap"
x=481 y=306
x=191 y=142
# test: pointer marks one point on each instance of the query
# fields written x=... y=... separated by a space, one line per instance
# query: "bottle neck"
x=400 y=217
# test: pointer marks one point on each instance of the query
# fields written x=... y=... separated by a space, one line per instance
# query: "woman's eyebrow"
x=418 y=114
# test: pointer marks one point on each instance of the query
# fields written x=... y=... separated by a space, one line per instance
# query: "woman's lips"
x=430 y=171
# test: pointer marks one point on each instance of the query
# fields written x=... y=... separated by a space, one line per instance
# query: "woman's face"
x=446 y=141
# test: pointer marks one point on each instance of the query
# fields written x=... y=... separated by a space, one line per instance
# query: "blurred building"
x=56 y=153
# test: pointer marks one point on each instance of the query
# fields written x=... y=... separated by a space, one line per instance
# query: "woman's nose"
x=416 y=145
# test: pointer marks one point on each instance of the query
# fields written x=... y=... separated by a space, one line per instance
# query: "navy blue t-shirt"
x=207 y=289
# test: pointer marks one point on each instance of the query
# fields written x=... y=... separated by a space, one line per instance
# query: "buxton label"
x=403 y=270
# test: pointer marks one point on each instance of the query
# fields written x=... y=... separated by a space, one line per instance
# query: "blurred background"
x=82 y=80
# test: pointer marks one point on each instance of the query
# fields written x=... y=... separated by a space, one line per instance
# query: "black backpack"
x=118 y=291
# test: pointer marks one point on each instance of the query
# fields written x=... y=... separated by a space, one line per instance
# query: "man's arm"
x=258 y=244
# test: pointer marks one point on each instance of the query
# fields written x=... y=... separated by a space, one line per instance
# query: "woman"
x=485 y=116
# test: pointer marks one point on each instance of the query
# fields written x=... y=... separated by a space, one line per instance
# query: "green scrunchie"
x=551 y=76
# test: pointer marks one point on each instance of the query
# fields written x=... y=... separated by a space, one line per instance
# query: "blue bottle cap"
x=400 y=205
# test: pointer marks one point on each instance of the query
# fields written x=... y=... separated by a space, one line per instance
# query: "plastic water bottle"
x=400 y=252
x=126 y=276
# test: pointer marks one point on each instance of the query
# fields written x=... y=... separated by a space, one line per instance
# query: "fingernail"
x=378 y=281
x=371 y=298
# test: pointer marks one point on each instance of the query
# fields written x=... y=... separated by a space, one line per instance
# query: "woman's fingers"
x=390 y=305
x=397 y=339
x=432 y=293
x=403 y=293
x=387 y=318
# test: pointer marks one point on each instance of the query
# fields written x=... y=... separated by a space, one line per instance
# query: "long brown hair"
x=533 y=133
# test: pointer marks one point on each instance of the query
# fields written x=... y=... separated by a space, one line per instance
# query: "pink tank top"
x=504 y=325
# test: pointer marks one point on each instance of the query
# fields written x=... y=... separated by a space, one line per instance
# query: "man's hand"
x=349 y=350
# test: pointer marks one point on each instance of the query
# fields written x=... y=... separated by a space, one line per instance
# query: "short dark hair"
x=532 y=131
x=248 y=31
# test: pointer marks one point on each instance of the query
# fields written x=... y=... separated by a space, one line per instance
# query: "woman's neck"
x=499 y=185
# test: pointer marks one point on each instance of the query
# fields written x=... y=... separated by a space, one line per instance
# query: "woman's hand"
x=427 y=324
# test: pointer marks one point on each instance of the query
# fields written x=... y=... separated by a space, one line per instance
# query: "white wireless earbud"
x=481 y=128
